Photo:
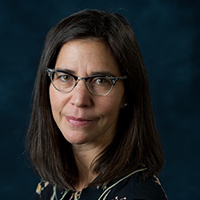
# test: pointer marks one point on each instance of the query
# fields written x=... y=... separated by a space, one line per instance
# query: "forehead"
x=87 y=55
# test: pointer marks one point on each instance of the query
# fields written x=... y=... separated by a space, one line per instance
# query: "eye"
x=63 y=77
x=100 y=81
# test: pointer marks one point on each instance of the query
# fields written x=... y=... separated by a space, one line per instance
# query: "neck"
x=84 y=157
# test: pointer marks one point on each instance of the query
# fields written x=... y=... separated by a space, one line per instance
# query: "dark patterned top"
x=130 y=187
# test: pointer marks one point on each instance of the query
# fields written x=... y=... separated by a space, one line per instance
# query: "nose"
x=81 y=97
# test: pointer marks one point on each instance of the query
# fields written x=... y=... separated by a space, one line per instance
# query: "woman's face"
x=82 y=117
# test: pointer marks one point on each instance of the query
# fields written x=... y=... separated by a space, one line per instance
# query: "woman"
x=92 y=133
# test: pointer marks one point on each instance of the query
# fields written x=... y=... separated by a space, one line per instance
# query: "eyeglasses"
x=98 y=84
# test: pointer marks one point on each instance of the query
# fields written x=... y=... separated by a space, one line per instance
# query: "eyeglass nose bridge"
x=79 y=79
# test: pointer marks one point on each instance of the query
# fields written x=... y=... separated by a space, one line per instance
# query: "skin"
x=87 y=121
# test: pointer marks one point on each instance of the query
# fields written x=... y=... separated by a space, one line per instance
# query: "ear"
x=124 y=102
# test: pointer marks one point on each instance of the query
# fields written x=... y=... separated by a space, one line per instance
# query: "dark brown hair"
x=136 y=142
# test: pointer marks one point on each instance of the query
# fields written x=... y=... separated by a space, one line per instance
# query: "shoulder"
x=134 y=187
x=150 y=188
x=46 y=191
x=43 y=191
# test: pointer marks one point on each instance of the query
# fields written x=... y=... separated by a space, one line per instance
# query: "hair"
x=136 y=142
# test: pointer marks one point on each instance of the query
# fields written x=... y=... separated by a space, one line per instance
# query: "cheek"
x=110 y=107
x=55 y=101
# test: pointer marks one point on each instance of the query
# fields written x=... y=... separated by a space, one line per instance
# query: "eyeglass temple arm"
x=49 y=71
x=115 y=79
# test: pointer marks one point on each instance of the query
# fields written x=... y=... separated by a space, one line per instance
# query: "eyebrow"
x=66 y=70
x=97 y=73
x=102 y=73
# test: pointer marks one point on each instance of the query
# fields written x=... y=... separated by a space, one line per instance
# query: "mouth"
x=78 y=121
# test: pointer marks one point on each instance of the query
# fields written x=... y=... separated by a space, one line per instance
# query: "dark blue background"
x=168 y=32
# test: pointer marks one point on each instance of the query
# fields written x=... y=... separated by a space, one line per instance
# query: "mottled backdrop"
x=168 y=32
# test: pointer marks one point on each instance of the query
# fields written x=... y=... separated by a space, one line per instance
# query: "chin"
x=75 y=139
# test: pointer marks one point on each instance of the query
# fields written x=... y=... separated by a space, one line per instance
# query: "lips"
x=78 y=121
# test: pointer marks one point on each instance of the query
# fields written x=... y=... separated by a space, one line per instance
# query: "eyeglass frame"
x=77 y=79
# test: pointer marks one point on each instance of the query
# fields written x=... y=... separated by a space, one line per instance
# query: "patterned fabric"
x=130 y=187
